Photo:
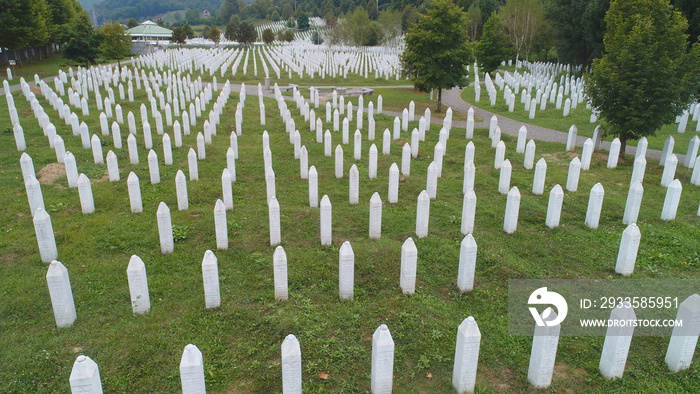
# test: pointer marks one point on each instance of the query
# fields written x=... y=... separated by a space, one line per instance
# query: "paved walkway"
x=453 y=98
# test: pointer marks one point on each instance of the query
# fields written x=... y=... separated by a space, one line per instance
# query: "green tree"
x=246 y=34
x=231 y=32
x=437 y=49
x=116 y=44
x=275 y=16
x=179 y=35
x=189 y=33
x=303 y=22
x=493 y=48
x=287 y=11
x=578 y=27
x=228 y=8
x=62 y=13
x=214 y=34
x=268 y=36
x=132 y=23
x=289 y=35
x=84 y=43
x=316 y=38
x=523 y=20
x=474 y=22
x=646 y=76
x=40 y=25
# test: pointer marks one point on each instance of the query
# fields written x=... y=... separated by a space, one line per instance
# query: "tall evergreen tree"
x=84 y=43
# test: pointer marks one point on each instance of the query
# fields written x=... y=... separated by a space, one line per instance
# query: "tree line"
x=42 y=25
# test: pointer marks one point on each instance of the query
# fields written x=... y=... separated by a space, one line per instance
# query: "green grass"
x=553 y=118
x=241 y=340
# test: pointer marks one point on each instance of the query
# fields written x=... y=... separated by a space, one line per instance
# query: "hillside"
x=88 y=4
x=142 y=9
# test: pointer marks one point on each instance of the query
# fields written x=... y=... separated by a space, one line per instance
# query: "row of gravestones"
x=85 y=376
x=512 y=206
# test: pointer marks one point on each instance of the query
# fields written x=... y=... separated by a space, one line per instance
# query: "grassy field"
x=241 y=340
x=553 y=118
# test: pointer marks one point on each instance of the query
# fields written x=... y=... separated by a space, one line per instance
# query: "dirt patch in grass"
x=36 y=90
x=51 y=173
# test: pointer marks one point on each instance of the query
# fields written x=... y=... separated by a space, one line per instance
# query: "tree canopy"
x=493 y=47
x=437 y=50
x=116 y=44
x=84 y=43
x=646 y=76
x=268 y=36
x=246 y=34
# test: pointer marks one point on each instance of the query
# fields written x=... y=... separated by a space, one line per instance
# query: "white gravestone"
x=595 y=205
x=357 y=145
x=469 y=174
x=406 y=160
x=431 y=182
x=684 y=339
x=112 y=167
x=587 y=154
x=313 y=187
x=510 y=220
x=192 y=371
x=529 y=155
x=556 y=199
x=467 y=264
x=291 y=365
x=87 y=202
x=165 y=229
x=61 y=294
x=167 y=150
x=673 y=197
x=393 y=184
x=522 y=139
x=641 y=150
x=640 y=165
x=96 y=144
x=274 y=216
x=574 y=175
x=133 y=149
x=504 y=177
x=617 y=342
x=382 y=361
x=279 y=265
x=354 y=187
x=45 y=236
x=134 y=193
x=627 y=254
x=386 y=142
x=571 y=138
x=409 y=265
x=138 y=286
x=71 y=170
x=210 y=279
x=468 y=212
x=544 y=351
x=85 y=377
x=539 y=178
x=669 y=170
x=373 y=162
x=695 y=177
x=153 y=168
x=634 y=202
x=326 y=219
x=500 y=155
x=34 y=195
x=181 y=191
x=220 y=225
x=422 y=214
x=375 y=216
x=667 y=150
x=346 y=271
x=338 y=162
x=226 y=188
x=466 y=356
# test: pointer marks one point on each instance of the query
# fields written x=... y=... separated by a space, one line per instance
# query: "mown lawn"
x=241 y=340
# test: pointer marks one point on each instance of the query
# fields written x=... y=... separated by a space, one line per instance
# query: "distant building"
x=206 y=14
x=149 y=31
